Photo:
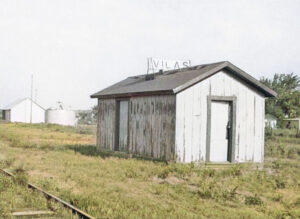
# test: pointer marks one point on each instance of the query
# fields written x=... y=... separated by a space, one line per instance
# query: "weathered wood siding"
x=151 y=125
x=106 y=124
x=191 y=119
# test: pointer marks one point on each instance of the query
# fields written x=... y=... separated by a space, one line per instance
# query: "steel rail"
x=75 y=210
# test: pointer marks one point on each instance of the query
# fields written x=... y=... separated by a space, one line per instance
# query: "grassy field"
x=64 y=161
x=17 y=197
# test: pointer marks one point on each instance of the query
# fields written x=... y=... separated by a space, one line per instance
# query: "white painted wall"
x=191 y=119
x=21 y=112
x=272 y=123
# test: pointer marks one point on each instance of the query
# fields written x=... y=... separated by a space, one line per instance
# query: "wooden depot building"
x=206 y=113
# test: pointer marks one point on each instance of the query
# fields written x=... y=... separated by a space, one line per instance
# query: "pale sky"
x=75 y=48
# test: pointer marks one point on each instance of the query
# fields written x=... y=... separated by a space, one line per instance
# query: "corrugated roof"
x=270 y=117
x=175 y=81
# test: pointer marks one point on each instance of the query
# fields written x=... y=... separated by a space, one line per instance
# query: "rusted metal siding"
x=191 y=119
x=151 y=127
x=106 y=124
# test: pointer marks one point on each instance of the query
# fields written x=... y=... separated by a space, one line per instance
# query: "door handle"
x=228 y=127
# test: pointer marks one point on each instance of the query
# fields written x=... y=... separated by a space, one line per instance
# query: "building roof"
x=270 y=117
x=17 y=102
x=175 y=81
x=292 y=119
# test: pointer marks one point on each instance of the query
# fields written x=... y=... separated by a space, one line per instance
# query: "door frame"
x=117 y=124
x=231 y=142
x=6 y=115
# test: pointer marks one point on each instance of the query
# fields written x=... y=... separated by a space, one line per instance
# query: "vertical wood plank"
x=249 y=140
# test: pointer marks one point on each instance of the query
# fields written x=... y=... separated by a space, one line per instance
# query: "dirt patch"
x=172 y=180
x=40 y=174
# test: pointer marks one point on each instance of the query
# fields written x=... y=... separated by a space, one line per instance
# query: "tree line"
x=287 y=102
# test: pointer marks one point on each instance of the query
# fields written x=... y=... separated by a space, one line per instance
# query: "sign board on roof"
x=154 y=65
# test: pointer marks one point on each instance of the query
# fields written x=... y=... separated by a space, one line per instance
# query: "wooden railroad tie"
x=31 y=213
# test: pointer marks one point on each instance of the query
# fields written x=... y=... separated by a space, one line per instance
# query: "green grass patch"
x=118 y=185
x=15 y=196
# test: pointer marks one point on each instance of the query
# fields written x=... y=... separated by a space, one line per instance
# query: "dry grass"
x=15 y=196
x=65 y=162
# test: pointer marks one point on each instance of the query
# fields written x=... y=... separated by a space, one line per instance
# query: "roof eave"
x=199 y=78
x=94 y=96
x=132 y=94
x=268 y=92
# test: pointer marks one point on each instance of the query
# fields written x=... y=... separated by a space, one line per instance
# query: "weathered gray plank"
x=32 y=213
x=151 y=126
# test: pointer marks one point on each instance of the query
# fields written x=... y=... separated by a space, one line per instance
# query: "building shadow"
x=91 y=150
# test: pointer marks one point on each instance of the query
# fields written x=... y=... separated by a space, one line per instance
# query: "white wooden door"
x=123 y=125
x=218 y=131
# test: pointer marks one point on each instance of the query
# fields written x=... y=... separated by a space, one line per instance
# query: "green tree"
x=287 y=102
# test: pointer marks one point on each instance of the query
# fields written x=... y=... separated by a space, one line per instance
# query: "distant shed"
x=293 y=123
x=270 y=121
x=20 y=111
x=206 y=113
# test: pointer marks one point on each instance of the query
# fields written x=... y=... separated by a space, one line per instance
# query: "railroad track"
x=75 y=210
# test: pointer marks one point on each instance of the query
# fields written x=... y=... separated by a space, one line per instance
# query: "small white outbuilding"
x=270 y=121
x=24 y=110
x=206 y=113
